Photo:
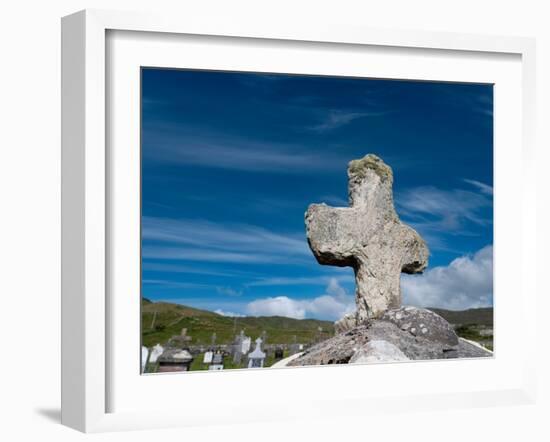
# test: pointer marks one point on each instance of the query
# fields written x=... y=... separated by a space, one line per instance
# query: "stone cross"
x=369 y=237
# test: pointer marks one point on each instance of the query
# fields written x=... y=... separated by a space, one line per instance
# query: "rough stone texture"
x=378 y=351
x=347 y=322
x=369 y=237
x=468 y=349
x=438 y=342
x=423 y=323
x=336 y=350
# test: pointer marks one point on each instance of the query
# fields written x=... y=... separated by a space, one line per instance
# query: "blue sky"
x=231 y=161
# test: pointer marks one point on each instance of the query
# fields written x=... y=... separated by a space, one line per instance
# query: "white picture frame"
x=86 y=234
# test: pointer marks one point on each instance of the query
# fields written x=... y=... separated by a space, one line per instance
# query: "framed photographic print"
x=275 y=209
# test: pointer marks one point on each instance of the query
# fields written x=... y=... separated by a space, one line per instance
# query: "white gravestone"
x=246 y=344
x=208 y=357
x=257 y=357
x=156 y=351
x=144 y=356
x=240 y=347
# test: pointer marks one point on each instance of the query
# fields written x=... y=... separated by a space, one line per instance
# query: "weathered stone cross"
x=369 y=237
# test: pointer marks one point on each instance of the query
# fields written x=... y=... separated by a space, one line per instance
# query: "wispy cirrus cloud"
x=474 y=100
x=206 y=255
x=443 y=210
x=173 y=284
x=304 y=280
x=482 y=187
x=228 y=291
x=190 y=146
x=200 y=240
x=335 y=119
x=192 y=270
x=438 y=213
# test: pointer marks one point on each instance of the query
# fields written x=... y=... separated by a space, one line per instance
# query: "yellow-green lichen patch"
x=358 y=168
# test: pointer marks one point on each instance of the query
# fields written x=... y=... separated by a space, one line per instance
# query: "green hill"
x=473 y=316
x=161 y=320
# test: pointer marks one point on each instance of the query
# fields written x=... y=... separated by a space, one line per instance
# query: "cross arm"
x=330 y=234
x=416 y=252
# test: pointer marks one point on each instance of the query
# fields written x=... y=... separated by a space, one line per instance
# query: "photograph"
x=292 y=220
x=232 y=221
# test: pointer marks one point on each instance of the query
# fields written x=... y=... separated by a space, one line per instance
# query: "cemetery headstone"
x=208 y=357
x=246 y=344
x=237 y=347
x=156 y=351
x=144 y=357
x=294 y=348
x=175 y=360
x=217 y=362
x=257 y=357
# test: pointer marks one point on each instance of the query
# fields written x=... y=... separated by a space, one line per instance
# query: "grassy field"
x=471 y=324
x=160 y=321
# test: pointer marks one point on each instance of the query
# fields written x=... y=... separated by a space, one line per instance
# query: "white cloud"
x=338 y=118
x=181 y=268
x=434 y=212
x=335 y=289
x=228 y=291
x=467 y=282
x=482 y=187
x=301 y=280
x=193 y=254
x=192 y=146
x=449 y=208
x=332 y=305
x=277 y=306
x=200 y=240
x=230 y=314
x=173 y=284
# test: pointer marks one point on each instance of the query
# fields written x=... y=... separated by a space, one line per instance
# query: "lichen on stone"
x=358 y=168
